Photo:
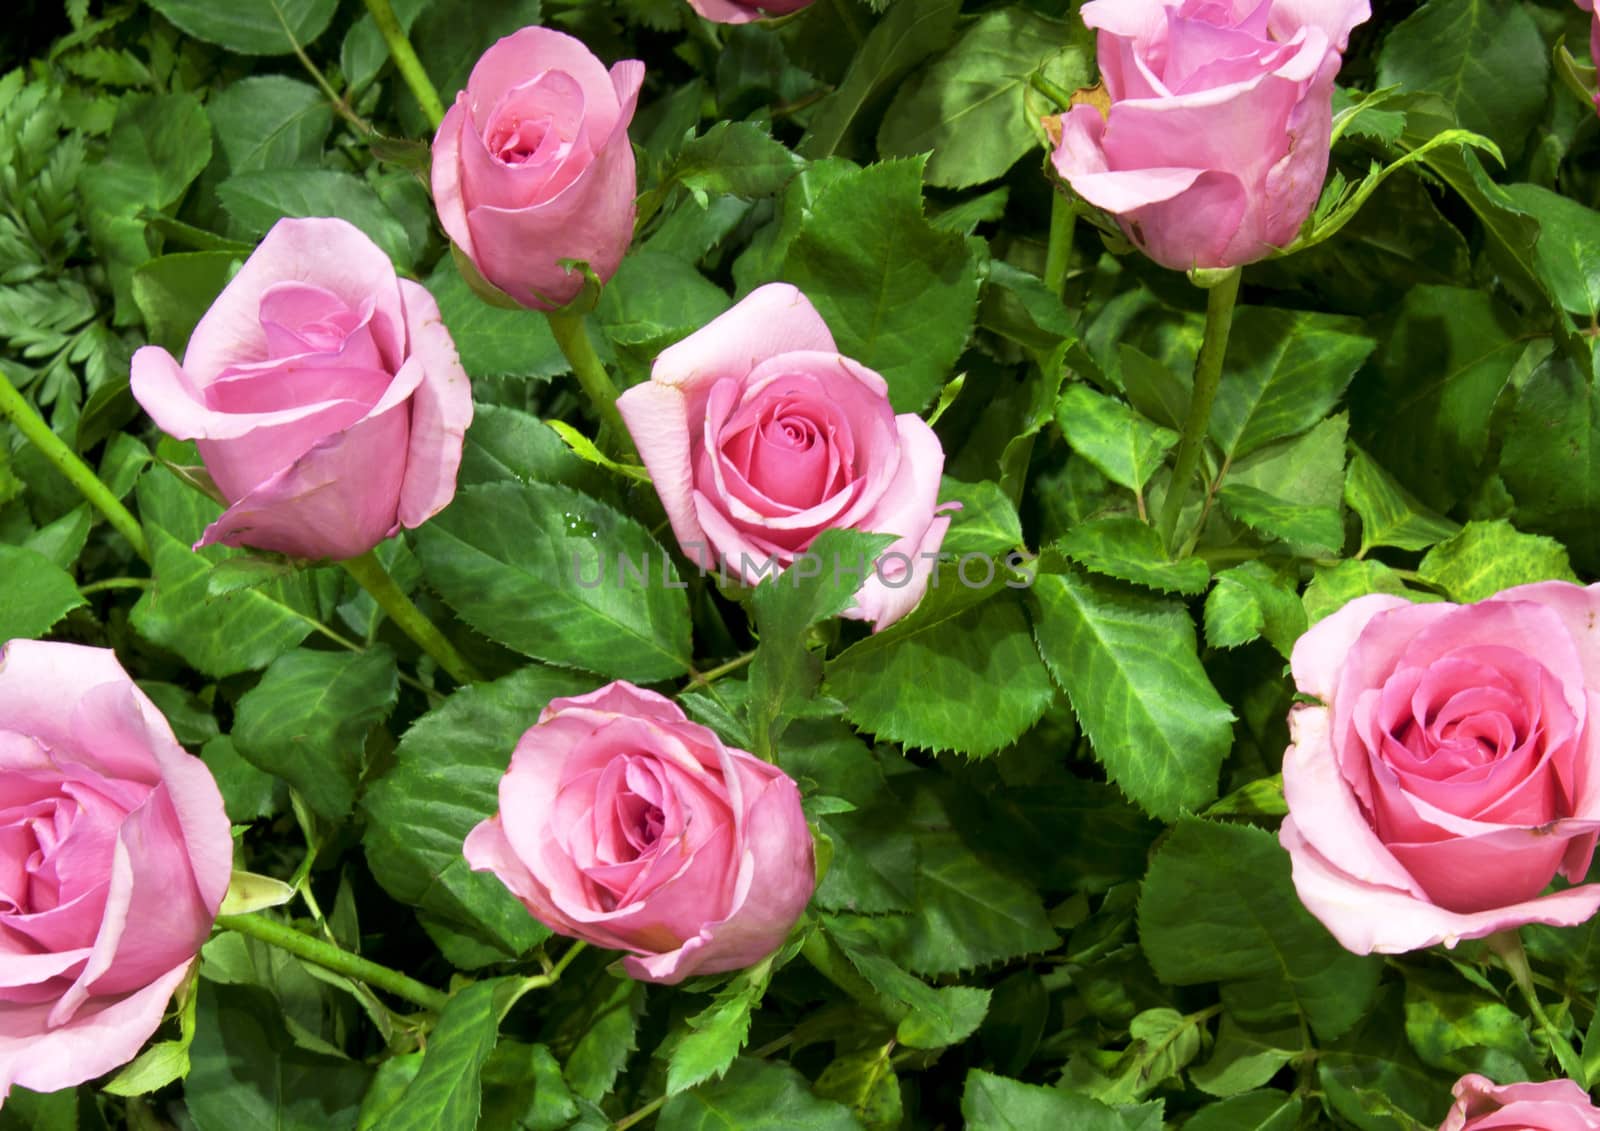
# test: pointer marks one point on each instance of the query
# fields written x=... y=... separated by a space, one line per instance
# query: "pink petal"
x=441 y=410
x=657 y=419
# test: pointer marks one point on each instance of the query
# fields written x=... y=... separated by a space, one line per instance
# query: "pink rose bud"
x=1452 y=769
x=1594 y=40
x=115 y=854
x=325 y=394
x=623 y=824
x=742 y=12
x=1215 y=147
x=533 y=165
x=760 y=435
x=1555 y=1105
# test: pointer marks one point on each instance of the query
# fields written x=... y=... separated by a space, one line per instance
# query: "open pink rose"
x=1451 y=770
x=1555 y=1105
x=760 y=435
x=115 y=854
x=533 y=165
x=325 y=394
x=626 y=825
x=1216 y=144
x=741 y=12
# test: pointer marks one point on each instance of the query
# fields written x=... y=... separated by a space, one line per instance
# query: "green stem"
x=824 y=954
x=370 y=574
x=1058 y=260
x=1056 y=93
x=1507 y=946
x=330 y=957
x=716 y=673
x=1207 y=377
x=115 y=583
x=639 y=1116
x=406 y=61
x=36 y=431
x=572 y=335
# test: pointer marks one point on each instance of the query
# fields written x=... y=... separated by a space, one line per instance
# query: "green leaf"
x=494 y=341
x=41 y=1111
x=1218 y=905
x=1124 y=446
x=1443 y=367
x=1250 y=600
x=755 y=1096
x=248 y=1072
x=937 y=1017
x=1390 y=515
x=445 y=781
x=655 y=299
x=596 y=1022
x=865 y=1081
x=986 y=523
x=1126 y=548
x=1568 y=252
x=994 y=1103
x=958 y=673
x=784 y=674
x=1333 y=587
x=258 y=199
x=308 y=718
x=555 y=575
x=523 y=1088
x=968 y=110
x=270 y=122
x=1161 y=1043
x=1317 y=530
x=1461 y=1029
x=363 y=53
x=1373 y=1079
x=1266 y=1110
x=1127 y=661
x=719 y=1031
x=174 y=291
x=247 y=793
x=37 y=593
x=251 y=27
x=903 y=39
x=1245 y=1058
x=1487 y=557
x=1285 y=371
x=1486 y=58
x=447 y=1093
x=507 y=444
x=899 y=295
x=1551 y=456
x=219 y=636
x=737 y=159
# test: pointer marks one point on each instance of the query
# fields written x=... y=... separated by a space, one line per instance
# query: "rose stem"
x=1207 y=377
x=572 y=335
x=330 y=957
x=1058 y=261
x=370 y=574
x=406 y=61
x=1507 y=946
x=34 y=429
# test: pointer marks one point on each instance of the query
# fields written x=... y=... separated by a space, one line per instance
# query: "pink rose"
x=1216 y=144
x=742 y=12
x=1555 y=1105
x=1451 y=770
x=626 y=825
x=533 y=165
x=1594 y=40
x=759 y=436
x=325 y=394
x=115 y=854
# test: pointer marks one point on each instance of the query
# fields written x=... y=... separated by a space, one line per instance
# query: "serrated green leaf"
x=738 y=159
x=1550 y=460
x=308 y=718
x=174 y=291
x=1333 y=587
x=1218 y=905
x=1131 y=550
x=655 y=299
x=523 y=1088
x=36 y=594
x=259 y=198
x=1250 y=600
x=1459 y=1028
x=554 y=574
x=270 y=122
x=445 y=780
x=1123 y=445
x=865 y=1081
x=1285 y=371
x=899 y=295
x=1127 y=661
x=1486 y=557
x=994 y=1103
x=1390 y=515
x=251 y=27
x=718 y=1032
x=1568 y=251
x=1266 y=1110
x=1314 y=529
x=447 y=1093
x=507 y=444
x=1245 y=1058
x=958 y=673
x=967 y=109
x=755 y=1096
x=494 y=341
